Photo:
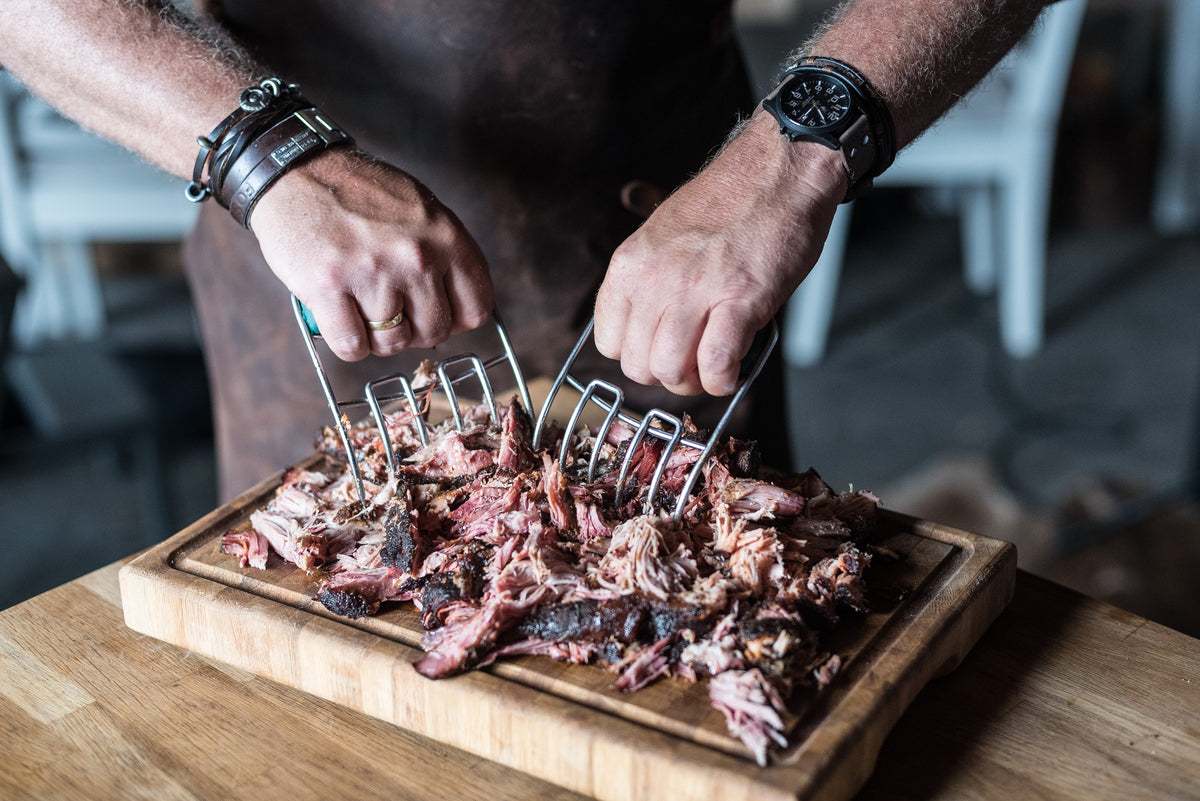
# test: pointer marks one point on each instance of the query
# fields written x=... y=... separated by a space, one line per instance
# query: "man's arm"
x=355 y=239
x=726 y=251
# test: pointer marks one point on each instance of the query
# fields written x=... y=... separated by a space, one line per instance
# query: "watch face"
x=815 y=100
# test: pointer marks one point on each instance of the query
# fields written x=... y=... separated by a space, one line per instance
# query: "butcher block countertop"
x=1063 y=697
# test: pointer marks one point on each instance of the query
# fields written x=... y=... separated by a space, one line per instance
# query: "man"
x=546 y=130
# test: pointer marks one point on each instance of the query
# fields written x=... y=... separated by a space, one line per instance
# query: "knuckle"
x=607 y=349
x=349 y=348
x=671 y=376
x=433 y=335
x=475 y=318
x=390 y=348
x=718 y=371
x=417 y=256
x=686 y=388
x=326 y=282
x=638 y=373
x=718 y=375
x=625 y=256
x=608 y=341
x=441 y=328
x=682 y=381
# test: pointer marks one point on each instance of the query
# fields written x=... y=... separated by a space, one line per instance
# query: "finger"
x=636 y=341
x=341 y=325
x=612 y=313
x=385 y=311
x=429 y=314
x=416 y=273
x=390 y=331
x=726 y=339
x=469 y=291
x=672 y=357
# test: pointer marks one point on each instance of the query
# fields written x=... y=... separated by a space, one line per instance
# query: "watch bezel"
x=835 y=127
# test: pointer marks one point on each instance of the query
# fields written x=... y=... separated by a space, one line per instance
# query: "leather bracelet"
x=301 y=135
x=196 y=190
x=251 y=100
x=231 y=166
x=239 y=138
x=272 y=129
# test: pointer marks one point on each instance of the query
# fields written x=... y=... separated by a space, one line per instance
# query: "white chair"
x=995 y=151
x=1177 y=192
x=62 y=189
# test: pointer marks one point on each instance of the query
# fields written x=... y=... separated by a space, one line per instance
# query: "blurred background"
x=1058 y=408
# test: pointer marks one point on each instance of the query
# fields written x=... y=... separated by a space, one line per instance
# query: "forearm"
x=354 y=239
x=726 y=251
x=922 y=56
x=135 y=71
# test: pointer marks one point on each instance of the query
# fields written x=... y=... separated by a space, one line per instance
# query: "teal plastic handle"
x=309 y=320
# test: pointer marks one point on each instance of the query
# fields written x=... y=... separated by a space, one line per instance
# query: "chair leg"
x=80 y=286
x=1025 y=201
x=979 y=238
x=1176 y=204
x=62 y=298
x=810 y=311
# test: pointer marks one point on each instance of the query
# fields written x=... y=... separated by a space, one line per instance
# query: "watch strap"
x=860 y=153
x=882 y=125
x=868 y=145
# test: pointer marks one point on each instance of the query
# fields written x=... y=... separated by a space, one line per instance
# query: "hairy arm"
x=354 y=238
x=924 y=55
x=728 y=248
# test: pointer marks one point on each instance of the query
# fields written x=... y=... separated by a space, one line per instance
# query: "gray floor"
x=915 y=372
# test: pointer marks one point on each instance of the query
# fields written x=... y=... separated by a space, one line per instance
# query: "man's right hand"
x=356 y=239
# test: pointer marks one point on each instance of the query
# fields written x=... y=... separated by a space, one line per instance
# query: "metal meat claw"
x=669 y=429
x=416 y=398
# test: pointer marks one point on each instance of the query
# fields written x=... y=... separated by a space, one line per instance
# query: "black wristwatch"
x=826 y=101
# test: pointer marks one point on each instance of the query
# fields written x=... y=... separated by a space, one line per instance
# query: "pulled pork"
x=504 y=553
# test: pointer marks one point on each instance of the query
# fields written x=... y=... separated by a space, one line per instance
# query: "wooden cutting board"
x=566 y=723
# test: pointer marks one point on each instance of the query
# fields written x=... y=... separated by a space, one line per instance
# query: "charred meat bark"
x=504 y=553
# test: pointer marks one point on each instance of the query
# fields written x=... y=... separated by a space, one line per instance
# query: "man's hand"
x=686 y=293
x=358 y=240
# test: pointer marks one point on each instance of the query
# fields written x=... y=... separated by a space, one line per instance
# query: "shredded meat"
x=505 y=553
x=248 y=546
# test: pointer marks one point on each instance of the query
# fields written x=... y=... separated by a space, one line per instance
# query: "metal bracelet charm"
x=257 y=98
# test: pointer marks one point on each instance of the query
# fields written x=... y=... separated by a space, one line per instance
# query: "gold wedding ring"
x=388 y=324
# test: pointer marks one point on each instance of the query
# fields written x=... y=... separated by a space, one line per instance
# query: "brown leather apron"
x=526 y=117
